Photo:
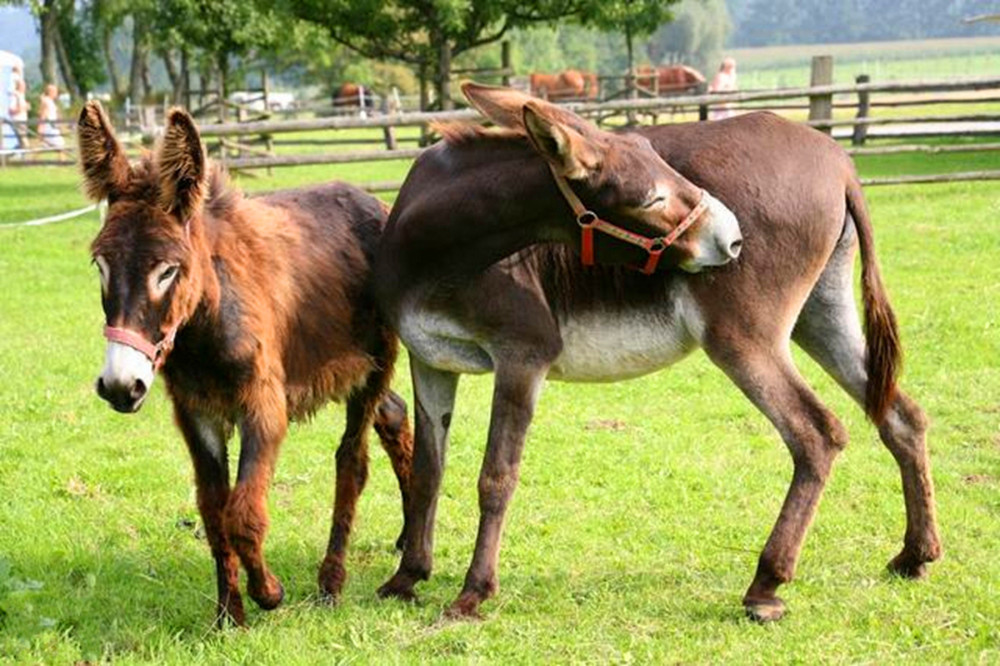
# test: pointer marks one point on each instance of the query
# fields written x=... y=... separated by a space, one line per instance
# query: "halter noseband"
x=157 y=354
x=590 y=222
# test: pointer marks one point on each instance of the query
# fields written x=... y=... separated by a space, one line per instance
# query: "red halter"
x=157 y=353
x=589 y=222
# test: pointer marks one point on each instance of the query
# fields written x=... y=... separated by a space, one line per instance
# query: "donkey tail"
x=884 y=354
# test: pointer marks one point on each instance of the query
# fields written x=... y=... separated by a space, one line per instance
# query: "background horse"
x=541 y=314
x=571 y=84
x=353 y=96
x=668 y=78
x=257 y=311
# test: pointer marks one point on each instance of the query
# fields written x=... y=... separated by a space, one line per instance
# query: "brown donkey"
x=257 y=311
x=540 y=313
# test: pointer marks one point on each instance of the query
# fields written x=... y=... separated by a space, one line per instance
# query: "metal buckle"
x=586 y=218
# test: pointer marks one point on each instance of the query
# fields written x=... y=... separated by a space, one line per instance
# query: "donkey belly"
x=607 y=346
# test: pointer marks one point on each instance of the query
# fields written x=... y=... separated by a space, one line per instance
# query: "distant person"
x=724 y=81
x=48 y=118
x=17 y=111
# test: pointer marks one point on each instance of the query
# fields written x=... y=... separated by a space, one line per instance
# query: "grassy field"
x=788 y=66
x=634 y=532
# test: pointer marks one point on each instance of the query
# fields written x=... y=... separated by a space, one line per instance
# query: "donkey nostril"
x=735 y=247
x=101 y=390
x=138 y=389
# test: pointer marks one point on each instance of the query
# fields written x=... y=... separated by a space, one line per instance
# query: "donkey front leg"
x=206 y=440
x=262 y=429
x=813 y=435
x=434 y=398
x=514 y=396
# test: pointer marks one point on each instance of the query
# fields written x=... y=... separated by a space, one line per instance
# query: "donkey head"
x=629 y=191
x=147 y=250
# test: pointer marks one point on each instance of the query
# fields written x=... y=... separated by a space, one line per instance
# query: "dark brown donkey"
x=541 y=314
x=257 y=311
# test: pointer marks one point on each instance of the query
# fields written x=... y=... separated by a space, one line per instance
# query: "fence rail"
x=238 y=143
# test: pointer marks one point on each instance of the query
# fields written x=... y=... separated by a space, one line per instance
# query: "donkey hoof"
x=230 y=613
x=906 y=566
x=466 y=607
x=764 y=610
x=332 y=577
x=397 y=589
x=270 y=597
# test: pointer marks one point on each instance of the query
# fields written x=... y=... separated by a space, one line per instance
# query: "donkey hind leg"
x=262 y=429
x=828 y=330
x=206 y=440
x=515 y=393
x=813 y=435
x=394 y=431
x=434 y=397
x=352 y=474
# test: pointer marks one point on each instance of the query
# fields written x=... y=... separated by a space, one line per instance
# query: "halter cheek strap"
x=590 y=222
x=157 y=354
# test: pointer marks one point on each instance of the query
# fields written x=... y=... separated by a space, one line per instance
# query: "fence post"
x=821 y=106
x=864 y=104
x=505 y=61
x=265 y=84
x=702 y=108
x=389 y=132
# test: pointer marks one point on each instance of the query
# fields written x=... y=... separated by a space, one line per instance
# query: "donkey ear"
x=502 y=106
x=574 y=155
x=105 y=167
x=182 y=166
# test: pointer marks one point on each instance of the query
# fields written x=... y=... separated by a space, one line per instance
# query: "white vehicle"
x=254 y=100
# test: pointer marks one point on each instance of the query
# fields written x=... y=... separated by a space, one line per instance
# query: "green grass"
x=631 y=543
x=788 y=66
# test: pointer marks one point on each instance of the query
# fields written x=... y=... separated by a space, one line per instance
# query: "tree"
x=695 y=36
x=427 y=34
x=221 y=30
x=634 y=18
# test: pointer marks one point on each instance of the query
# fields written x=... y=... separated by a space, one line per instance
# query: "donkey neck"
x=478 y=202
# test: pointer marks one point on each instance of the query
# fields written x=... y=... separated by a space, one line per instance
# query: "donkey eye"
x=161 y=278
x=654 y=202
x=168 y=274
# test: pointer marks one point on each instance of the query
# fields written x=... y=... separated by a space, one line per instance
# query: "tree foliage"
x=695 y=37
x=774 y=22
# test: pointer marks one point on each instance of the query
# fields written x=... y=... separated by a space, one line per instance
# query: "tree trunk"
x=223 y=65
x=48 y=25
x=109 y=59
x=630 y=77
x=444 y=76
x=185 y=91
x=66 y=67
x=140 y=53
x=173 y=73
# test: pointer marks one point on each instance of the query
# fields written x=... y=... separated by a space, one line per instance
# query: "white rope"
x=52 y=218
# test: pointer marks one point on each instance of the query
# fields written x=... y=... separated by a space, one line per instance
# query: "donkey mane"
x=568 y=285
x=459 y=133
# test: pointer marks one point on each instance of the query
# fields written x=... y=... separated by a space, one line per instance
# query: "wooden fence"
x=238 y=143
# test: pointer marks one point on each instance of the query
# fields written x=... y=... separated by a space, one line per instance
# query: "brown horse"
x=571 y=84
x=668 y=78
x=471 y=202
x=353 y=96
x=257 y=311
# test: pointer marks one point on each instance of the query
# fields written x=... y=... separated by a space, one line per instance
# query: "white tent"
x=8 y=62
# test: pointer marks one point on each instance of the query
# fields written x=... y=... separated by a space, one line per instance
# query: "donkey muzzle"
x=126 y=378
x=720 y=240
